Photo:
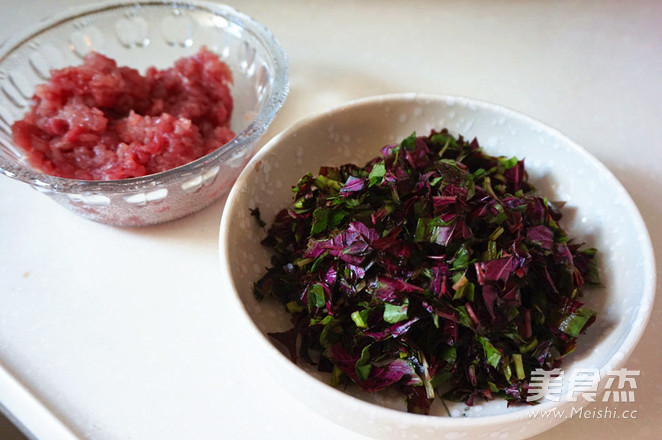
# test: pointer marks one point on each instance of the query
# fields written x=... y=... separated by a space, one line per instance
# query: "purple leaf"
x=542 y=235
x=353 y=184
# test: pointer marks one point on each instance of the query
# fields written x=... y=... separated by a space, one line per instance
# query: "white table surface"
x=110 y=333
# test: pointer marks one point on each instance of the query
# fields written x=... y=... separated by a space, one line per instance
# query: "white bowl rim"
x=274 y=101
x=629 y=343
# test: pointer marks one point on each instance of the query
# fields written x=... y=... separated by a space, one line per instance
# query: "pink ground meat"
x=99 y=121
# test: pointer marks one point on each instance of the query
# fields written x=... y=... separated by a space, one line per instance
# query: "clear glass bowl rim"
x=273 y=102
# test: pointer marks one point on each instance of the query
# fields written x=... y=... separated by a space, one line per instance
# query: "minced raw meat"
x=99 y=121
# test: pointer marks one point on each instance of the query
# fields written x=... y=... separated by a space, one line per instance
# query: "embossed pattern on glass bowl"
x=142 y=34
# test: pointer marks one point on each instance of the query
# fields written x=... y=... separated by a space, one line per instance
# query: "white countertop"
x=110 y=333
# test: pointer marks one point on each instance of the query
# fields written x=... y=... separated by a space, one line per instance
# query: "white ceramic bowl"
x=139 y=34
x=598 y=212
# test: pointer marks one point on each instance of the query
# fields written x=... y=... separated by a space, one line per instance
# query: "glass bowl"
x=140 y=34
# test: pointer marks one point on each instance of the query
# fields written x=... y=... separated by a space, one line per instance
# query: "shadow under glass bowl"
x=140 y=35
